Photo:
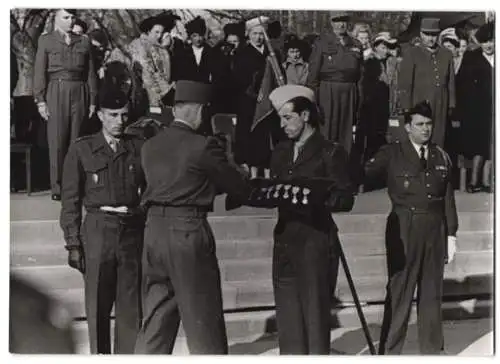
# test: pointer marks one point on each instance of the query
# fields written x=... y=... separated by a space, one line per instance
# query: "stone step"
x=246 y=227
x=53 y=253
x=261 y=326
x=257 y=294
x=465 y=264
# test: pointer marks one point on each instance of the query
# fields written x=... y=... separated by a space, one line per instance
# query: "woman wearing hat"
x=334 y=73
x=151 y=59
x=375 y=114
x=477 y=109
x=296 y=69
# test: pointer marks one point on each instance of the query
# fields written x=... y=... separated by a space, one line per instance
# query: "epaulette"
x=82 y=138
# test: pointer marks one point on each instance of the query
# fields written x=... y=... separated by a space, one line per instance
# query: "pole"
x=356 y=300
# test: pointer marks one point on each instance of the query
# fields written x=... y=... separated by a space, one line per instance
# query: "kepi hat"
x=193 y=92
x=430 y=25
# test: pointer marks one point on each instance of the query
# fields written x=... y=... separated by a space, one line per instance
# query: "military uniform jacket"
x=183 y=168
x=95 y=176
x=55 y=57
x=424 y=75
x=412 y=187
x=319 y=158
x=332 y=61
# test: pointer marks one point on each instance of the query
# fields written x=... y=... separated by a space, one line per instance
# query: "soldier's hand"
x=43 y=110
x=452 y=249
x=91 y=110
x=76 y=259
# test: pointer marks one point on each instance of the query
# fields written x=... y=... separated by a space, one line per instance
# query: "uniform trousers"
x=305 y=267
x=68 y=103
x=113 y=248
x=181 y=281
x=415 y=244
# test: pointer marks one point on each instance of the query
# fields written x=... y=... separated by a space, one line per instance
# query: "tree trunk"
x=290 y=21
x=315 y=21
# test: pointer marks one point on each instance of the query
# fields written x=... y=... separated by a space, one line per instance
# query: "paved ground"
x=463 y=338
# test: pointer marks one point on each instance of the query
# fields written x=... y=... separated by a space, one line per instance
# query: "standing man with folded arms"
x=65 y=87
x=103 y=173
x=421 y=231
x=181 y=280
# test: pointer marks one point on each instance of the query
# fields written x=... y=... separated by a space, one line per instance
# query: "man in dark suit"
x=305 y=259
x=421 y=230
x=102 y=172
x=181 y=279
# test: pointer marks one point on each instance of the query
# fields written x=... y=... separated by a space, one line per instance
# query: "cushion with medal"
x=270 y=193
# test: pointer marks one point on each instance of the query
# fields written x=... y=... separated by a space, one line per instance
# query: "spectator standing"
x=296 y=69
x=362 y=32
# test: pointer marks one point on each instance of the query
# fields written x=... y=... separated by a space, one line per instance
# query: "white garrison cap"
x=283 y=94
x=255 y=22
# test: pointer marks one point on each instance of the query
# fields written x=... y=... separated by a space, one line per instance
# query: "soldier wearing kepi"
x=103 y=173
x=65 y=86
x=305 y=258
x=181 y=280
x=420 y=234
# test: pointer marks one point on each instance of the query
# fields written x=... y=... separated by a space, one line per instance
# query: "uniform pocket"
x=97 y=174
x=405 y=181
x=55 y=58
x=79 y=58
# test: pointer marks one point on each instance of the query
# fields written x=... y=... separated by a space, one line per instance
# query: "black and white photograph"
x=196 y=181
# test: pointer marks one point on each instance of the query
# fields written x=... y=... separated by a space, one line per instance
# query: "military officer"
x=305 y=258
x=103 y=173
x=420 y=234
x=64 y=89
x=335 y=68
x=427 y=73
x=181 y=280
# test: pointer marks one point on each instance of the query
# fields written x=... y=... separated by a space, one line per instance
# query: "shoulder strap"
x=446 y=157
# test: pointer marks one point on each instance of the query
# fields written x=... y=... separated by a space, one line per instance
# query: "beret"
x=422 y=108
x=281 y=95
x=192 y=91
x=112 y=99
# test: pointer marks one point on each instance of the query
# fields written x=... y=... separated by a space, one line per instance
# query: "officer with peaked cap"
x=427 y=73
x=305 y=258
x=335 y=74
x=181 y=279
x=102 y=172
x=64 y=88
x=421 y=231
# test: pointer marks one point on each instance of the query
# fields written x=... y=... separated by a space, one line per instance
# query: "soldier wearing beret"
x=181 y=280
x=335 y=74
x=427 y=73
x=420 y=234
x=305 y=258
x=102 y=172
x=65 y=87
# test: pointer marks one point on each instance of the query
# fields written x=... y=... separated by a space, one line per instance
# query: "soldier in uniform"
x=103 y=173
x=181 y=280
x=305 y=258
x=420 y=234
x=427 y=73
x=335 y=74
x=65 y=87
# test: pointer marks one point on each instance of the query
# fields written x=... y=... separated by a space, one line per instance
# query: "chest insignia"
x=305 y=192
x=441 y=168
x=329 y=58
x=95 y=178
x=406 y=183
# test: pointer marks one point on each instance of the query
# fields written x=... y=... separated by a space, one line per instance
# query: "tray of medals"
x=270 y=193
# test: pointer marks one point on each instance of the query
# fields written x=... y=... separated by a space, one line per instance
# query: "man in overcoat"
x=427 y=73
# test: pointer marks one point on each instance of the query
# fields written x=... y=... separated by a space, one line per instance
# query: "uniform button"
x=427 y=185
x=437 y=84
x=289 y=171
x=412 y=208
x=427 y=174
x=429 y=196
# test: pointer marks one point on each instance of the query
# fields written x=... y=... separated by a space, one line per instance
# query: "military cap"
x=192 y=91
x=422 y=108
x=340 y=16
x=485 y=33
x=235 y=29
x=430 y=25
x=111 y=98
x=255 y=22
x=197 y=25
x=283 y=94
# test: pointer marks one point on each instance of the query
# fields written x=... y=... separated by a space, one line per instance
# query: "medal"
x=407 y=184
x=95 y=178
x=277 y=191
x=295 y=190
x=286 y=195
x=305 y=191
x=131 y=168
x=269 y=192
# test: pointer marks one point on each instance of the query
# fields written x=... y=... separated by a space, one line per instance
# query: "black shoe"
x=473 y=189
x=487 y=189
x=56 y=197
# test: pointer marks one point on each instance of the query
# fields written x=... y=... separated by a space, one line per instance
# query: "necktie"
x=67 y=38
x=114 y=145
x=296 y=151
x=423 y=161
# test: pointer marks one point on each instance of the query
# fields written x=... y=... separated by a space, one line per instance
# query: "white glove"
x=452 y=248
